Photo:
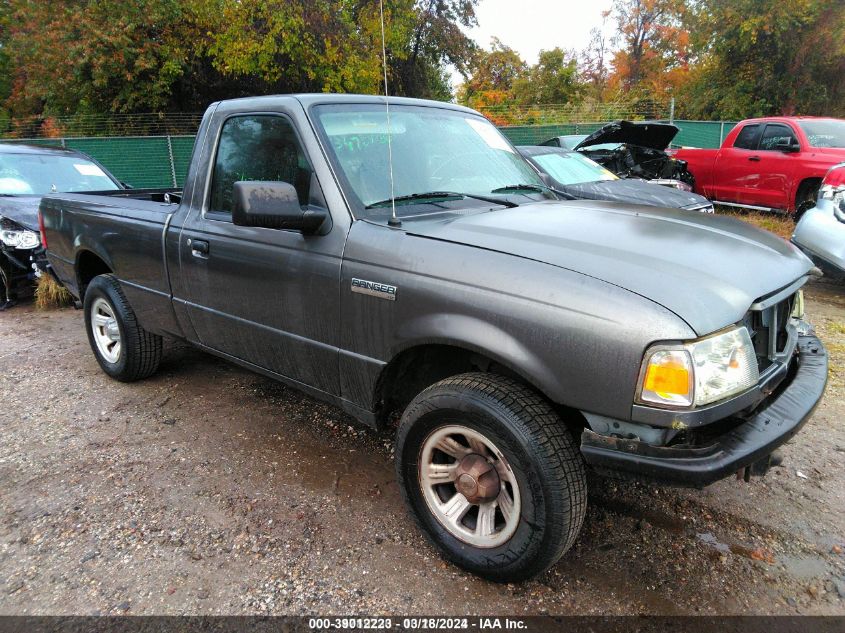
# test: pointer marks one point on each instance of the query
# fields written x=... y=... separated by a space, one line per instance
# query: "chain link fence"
x=153 y=150
x=87 y=125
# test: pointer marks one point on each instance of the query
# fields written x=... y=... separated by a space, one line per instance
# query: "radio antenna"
x=394 y=221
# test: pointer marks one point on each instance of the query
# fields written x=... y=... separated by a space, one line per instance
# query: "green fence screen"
x=692 y=133
x=162 y=161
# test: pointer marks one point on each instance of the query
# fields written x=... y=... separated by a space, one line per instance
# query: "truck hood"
x=648 y=134
x=706 y=269
x=21 y=209
x=636 y=191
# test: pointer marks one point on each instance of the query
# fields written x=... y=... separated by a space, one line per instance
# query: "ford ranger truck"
x=770 y=164
x=521 y=338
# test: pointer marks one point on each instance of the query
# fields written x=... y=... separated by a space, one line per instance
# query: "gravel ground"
x=211 y=490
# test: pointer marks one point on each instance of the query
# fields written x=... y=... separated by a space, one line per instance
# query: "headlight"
x=836 y=195
x=19 y=239
x=699 y=372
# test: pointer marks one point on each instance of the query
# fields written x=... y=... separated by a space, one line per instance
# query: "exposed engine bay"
x=632 y=161
x=633 y=150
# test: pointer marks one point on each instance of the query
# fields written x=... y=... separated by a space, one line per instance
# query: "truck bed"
x=700 y=163
x=127 y=227
x=162 y=200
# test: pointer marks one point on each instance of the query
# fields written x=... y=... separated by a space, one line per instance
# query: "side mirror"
x=273 y=205
x=787 y=145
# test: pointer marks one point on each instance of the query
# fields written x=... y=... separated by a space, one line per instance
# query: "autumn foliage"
x=719 y=59
x=110 y=56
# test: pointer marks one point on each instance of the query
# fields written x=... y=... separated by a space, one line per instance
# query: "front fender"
x=482 y=337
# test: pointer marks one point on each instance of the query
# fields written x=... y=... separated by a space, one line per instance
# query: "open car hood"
x=645 y=134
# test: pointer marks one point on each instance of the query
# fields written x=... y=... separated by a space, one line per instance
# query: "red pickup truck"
x=774 y=163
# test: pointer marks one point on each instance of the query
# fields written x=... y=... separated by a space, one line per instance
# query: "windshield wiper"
x=537 y=188
x=440 y=195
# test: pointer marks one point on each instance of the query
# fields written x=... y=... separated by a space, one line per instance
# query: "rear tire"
x=541 y=479
x=125 y=350
x=805 y=199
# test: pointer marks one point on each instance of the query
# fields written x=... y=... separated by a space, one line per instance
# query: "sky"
x=529 y=26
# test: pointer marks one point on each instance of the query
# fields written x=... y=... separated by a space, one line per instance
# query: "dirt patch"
x=210 y=490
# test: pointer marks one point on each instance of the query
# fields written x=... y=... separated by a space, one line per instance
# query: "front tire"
x=805 y=200
x=491 y=475
x=124 y=350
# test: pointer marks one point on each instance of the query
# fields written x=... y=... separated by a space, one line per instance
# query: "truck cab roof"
x=309 y=99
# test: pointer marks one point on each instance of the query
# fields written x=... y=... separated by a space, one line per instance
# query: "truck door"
x=735 y=173
x=776 y=165
x=265 y=296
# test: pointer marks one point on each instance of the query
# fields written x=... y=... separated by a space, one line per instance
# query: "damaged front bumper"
x=745 y=444
x=19 y=269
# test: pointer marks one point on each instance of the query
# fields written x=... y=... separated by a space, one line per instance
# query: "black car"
x=576 y=175
x=27 y=173
x=632 y=150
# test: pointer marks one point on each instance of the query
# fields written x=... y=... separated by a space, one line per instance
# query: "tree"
x=5 y=65
x=309 y=45
x=436 y=40
x=500 y=78
x=765 y=57
x=655 y=45
x=496 y=69
x=492 y=76
x=104 y=56
x=593 y=60
x=96 y=56
x=553 y=79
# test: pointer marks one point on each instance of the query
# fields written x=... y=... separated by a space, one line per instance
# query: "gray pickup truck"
x=522 y=338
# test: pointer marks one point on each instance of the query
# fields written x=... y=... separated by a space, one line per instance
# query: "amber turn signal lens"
x=669 y=378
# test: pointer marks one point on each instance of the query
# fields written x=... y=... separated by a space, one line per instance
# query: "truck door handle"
x=199 y=248
x=754 y=159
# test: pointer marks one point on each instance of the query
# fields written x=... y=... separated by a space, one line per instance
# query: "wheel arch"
x=422 y=363
x=89 y=265
x=806 y=184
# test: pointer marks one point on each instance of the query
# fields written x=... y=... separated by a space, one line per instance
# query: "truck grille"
x=771 y=332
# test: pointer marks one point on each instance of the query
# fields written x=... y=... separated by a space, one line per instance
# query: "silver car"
x=821 y=231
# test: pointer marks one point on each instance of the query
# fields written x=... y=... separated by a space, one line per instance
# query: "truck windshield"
x=42 y=174
x=824 y=132
x=434 y=150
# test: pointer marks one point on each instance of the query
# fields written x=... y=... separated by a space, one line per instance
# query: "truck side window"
x=748 y=136
x=774 y=134
x=257 y=147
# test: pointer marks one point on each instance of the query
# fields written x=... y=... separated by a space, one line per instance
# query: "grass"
x=780 y=224
x=838 y=328
x=50 y=295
